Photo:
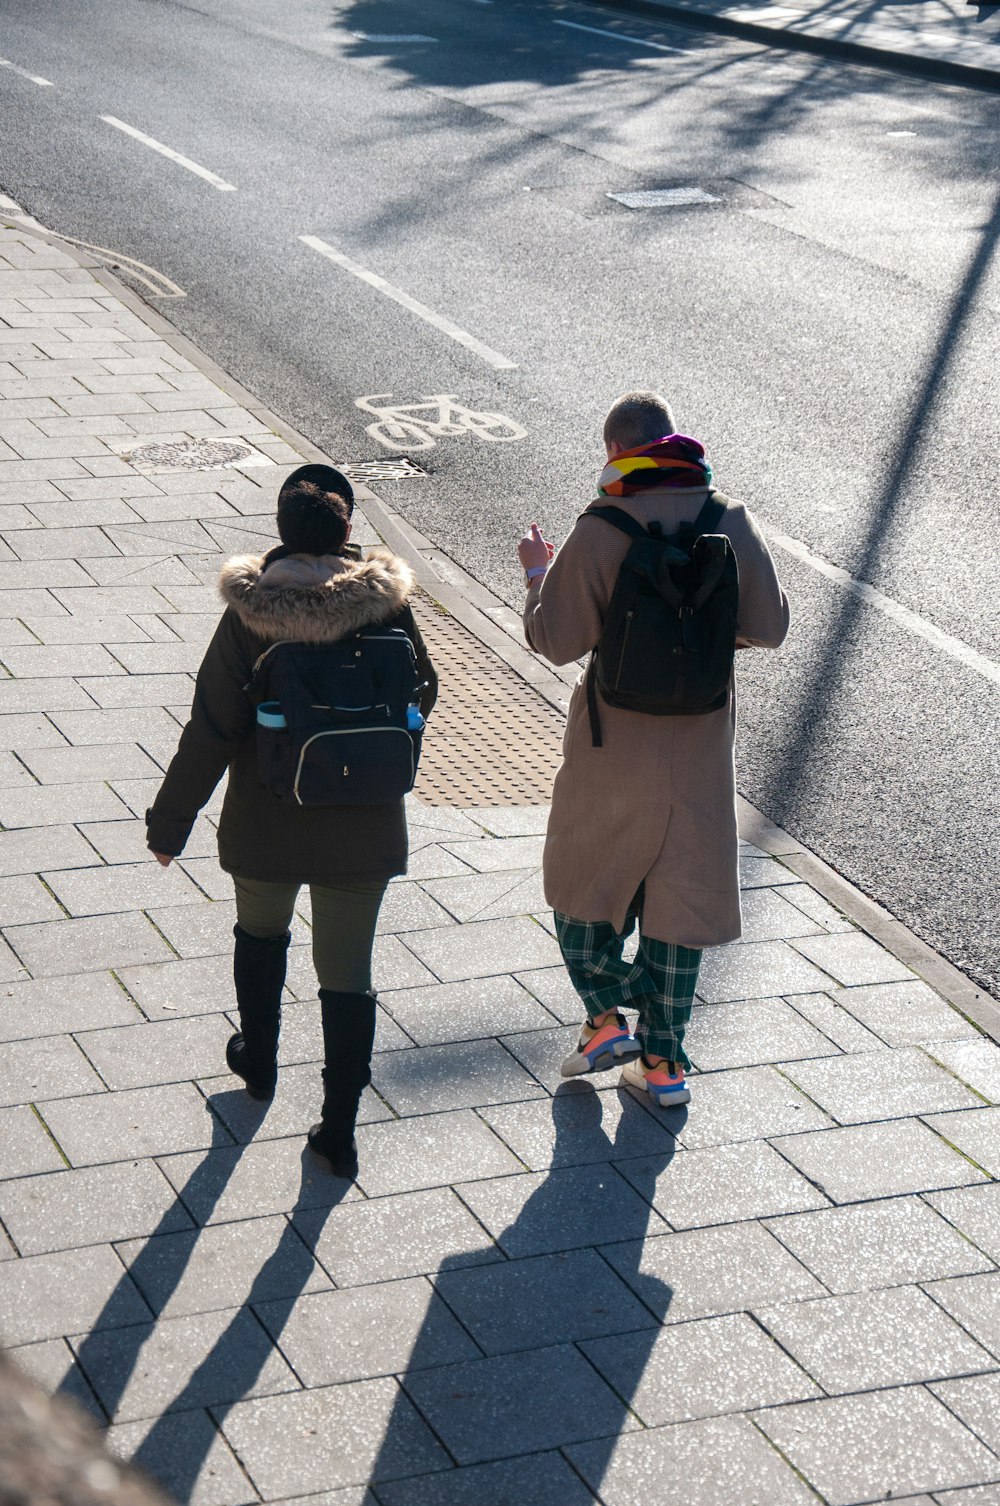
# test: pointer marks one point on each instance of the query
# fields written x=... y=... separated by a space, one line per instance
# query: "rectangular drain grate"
x=369 y=471
x=663 y=198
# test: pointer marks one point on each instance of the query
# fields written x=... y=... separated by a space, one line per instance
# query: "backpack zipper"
x=345 y=732
x=621 y=657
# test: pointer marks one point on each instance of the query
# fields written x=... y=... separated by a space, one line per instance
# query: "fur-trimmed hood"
x=315 y=598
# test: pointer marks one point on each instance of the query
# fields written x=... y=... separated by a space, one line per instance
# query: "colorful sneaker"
x=608 y=1046
x=664 y=1083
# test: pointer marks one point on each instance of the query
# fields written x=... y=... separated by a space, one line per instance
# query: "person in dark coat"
x=314 y=588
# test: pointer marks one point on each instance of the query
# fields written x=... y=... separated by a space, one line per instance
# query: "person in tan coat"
x=643 y=827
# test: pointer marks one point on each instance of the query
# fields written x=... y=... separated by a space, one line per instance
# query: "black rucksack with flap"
x=669 y=637
x=337 y=723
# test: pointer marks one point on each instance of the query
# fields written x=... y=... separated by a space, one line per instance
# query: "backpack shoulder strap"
x=710 y=515
x=618 y=519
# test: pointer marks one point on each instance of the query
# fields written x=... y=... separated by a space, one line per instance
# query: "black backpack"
x=669 y=638
x=338 y=723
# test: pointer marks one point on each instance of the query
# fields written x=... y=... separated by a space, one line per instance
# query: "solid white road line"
x=167 y=151
x=46 y=83
x=618 y=36
x=491 y=357
x=954 y=647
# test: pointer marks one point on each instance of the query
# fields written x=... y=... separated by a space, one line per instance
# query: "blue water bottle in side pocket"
x=270 y=715
x=414 y=718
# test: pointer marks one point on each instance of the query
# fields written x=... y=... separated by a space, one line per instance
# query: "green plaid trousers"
x=660 y=983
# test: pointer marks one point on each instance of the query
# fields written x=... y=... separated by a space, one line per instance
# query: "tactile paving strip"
x=491 y=740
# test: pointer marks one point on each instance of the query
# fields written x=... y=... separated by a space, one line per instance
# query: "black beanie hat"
x=326 y=477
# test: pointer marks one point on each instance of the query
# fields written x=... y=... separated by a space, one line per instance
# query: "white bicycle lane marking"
x=418 y=426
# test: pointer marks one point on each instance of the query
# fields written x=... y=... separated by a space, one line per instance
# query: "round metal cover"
x=190 y=454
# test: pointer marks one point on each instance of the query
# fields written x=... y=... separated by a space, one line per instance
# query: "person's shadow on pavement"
x=232 y=1368
x=537 y=1322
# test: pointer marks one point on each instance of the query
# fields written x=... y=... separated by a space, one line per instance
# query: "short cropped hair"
x=312 y=521
x=638 y=418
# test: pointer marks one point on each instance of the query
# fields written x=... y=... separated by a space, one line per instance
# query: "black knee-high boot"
x=259 y=964
x=348 y=1036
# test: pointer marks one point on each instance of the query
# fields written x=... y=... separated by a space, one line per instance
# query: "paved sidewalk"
x=960 y=40
x=537 y=1293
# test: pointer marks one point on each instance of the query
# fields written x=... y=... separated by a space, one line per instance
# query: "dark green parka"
x=273 y=598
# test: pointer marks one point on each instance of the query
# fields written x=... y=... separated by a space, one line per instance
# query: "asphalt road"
x=827 y=323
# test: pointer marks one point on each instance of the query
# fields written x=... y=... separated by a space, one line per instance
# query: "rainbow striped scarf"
x=674 y=460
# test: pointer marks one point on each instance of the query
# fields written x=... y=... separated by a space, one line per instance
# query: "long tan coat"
x=658 y=801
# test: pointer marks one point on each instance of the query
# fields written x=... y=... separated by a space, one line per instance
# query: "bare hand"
x=163 y=858
x=534 y=549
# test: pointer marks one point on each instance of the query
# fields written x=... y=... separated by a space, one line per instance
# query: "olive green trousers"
x=343 y=925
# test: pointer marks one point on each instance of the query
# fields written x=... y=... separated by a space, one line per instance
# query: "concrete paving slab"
x=835 y=1021
x=975 y=1302
x=449 y=1012
x=709 y=1367
x=293 y=1110
x=126 y=1126
x=551 y=987
x=853 y=959
x=62 y=1210
x=187 y=1454
x=976 y=1212
x=974 y=1062
x=580 y=1127
x=749 y=1033
x=274 y=1176
x=569 y=1208
x=484 y=948
x=67 y=947
x=380 y=1329
x=750 y=1103
x=25 y=1146
x=873 y=1245
x=387 y=1238
x=975 y=1133
x=24 y=899
x=181 y=987
x=45 y=1296
x=716 y=1459
x=887 y=1085
x=871 y=1340
x=877 y=1160
x=699 y=1273
x=861 y=1448
x=536 y=1480
x=457 y=1076
x=222 y=1266
x=203 y=1359
x=545 y=1299
x=478 y=1408
x=126 y=886
x=722 y=1185
x=756 y=970
x=976 y=1400
x=430 y=1150
x=905 y=1014
x=49 y=1067
x=332 y=1436
x=141 y=1056
x=52 y=1364
x=49 y=805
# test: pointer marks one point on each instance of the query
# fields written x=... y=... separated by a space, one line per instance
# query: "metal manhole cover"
x=382 y=470
x=664 y=198
x=190 y=454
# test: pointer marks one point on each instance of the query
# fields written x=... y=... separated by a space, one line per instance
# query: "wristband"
x=529 y=575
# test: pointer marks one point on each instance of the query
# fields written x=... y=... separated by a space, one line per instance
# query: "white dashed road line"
x=460 y=336
x=167 y=151
x=911 y=621
x=45 y=83
x=618 y=36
